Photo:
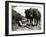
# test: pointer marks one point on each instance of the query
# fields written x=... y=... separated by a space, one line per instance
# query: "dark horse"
x=34 y=16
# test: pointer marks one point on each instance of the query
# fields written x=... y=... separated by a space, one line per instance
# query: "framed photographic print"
x=24 y=18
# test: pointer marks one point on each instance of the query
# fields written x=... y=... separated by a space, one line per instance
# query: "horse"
x=34 y=16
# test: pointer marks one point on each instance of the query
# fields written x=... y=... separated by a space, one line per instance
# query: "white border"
x=23 y=32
